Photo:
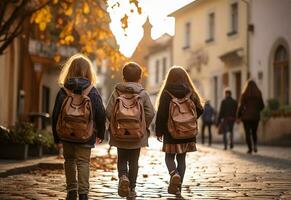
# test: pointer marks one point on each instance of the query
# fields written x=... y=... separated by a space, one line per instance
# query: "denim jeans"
x=181 y=163
x=228 y=128
x=208 y=125
x=77 y=159
x=127 y=164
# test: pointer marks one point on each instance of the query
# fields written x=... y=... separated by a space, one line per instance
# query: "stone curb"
x=25 y=169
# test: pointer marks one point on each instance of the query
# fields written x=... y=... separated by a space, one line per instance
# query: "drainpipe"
x=248 y=38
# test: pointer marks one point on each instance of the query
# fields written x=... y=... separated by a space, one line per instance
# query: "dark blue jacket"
x=77 y=85
x=208 y=114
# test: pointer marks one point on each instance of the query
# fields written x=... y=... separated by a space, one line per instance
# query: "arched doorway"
x=281 y=75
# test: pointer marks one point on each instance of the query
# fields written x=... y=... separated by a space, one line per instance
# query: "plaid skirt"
x=179 y=148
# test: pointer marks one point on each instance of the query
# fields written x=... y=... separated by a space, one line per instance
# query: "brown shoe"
x=175 y=183
x=123 y=187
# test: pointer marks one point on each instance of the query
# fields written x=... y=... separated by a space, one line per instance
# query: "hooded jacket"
x=132 y=87
x=77 y=85
x=179 y=91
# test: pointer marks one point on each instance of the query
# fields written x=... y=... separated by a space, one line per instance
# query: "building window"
x=187 y=35
x=157 y=71
x=233 y=19
x=211 y=27
x=281 y=75
x=164 y=67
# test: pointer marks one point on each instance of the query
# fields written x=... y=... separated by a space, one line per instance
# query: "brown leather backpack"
x=127 y=123
x=75 y=121
x=182 y=121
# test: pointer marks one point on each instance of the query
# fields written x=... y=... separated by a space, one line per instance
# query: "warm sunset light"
x=156 y=10
x=145 y=99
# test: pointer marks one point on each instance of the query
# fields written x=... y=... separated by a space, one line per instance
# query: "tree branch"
x=10 y=38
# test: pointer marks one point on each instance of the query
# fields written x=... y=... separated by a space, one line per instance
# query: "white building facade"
x=159 y=60
x=270 y=52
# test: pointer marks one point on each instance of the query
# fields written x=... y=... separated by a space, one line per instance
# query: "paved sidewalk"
x=212 y=173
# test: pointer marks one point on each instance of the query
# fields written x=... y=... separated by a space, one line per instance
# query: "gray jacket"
x=149 y=112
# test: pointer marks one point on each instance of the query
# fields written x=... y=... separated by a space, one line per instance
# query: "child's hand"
x=160 y=138
x=98 y=140
x=59 y=146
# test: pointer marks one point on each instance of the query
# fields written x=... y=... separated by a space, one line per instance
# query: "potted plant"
x=48 y=145
x=275 y=122
x=14 y=142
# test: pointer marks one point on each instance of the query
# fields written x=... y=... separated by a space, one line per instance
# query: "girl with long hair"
x=178 y=84
x=78 y=77
x=250 y=105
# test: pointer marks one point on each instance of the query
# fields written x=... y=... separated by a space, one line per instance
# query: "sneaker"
x=72 y=195
x=132 y=194
x=123 y=187
x=83 y=196
x=175 y=183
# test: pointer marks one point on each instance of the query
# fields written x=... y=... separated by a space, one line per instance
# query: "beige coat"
x=148 y=111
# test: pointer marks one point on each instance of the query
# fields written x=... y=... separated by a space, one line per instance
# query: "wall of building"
x=211 y=66
x=50 y=80
x=152 y=85
x=9 y=84
x=272 y=26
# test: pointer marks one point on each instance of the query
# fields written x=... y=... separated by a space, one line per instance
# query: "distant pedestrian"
x=226 y=118
x=250 y=105
x=78 y=121
x=130 y=113
x=207 y=120
x=179 y=107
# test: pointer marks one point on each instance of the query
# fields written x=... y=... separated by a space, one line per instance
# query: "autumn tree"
x=12 y=15
x=83 y=24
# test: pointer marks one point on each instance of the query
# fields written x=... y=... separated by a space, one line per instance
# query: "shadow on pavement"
x=276 y=163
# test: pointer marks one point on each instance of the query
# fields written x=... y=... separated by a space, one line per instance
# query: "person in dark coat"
x=178 y=84
x=250 y=106
x=207 y=120
x=226 y=117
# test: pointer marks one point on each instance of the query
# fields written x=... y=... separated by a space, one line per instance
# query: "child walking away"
x=250 y=105
x=130 y=113
x=179 y=107
x=78 y=121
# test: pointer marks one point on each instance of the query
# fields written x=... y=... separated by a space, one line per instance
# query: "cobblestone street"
x=212 y=173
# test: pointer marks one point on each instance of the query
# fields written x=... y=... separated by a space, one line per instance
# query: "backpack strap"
x=87 y=90
x=189 y=95
x=171 y=95
x=67 y=91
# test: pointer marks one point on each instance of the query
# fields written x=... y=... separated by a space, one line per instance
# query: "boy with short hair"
x=123 y=136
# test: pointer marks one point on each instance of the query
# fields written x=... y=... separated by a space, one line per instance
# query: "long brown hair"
x=78 y=66
x=251 y=90
x=178 y=74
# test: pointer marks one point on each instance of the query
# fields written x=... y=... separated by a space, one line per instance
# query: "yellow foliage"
x=86 y=8
x=69 y=11
x=42 y=26
x=42 y=17
x=124 y=21
x=69 y=39
x=86 y=19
